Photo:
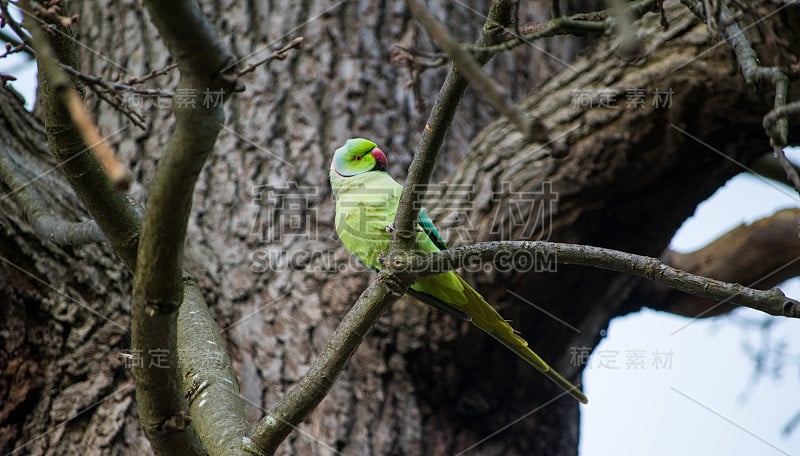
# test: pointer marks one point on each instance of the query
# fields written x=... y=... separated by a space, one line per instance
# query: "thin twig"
x=576 y=24
x=133 y=80
x=280 y=54
x=118 y=174
x=115 y=86
x=501 y=16
x=531 y=129
x=776 y=122
x=80 y=116
x=14 y=46
x=787 y=166
x=109 y=92
x=14 y=25
x=780 y=112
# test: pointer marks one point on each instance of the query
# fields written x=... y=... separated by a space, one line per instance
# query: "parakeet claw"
x=390 y=228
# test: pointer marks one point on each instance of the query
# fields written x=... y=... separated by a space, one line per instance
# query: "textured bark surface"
x=65 y=316
x=422 y=383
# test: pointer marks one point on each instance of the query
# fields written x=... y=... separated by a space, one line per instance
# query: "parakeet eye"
x=358 y=157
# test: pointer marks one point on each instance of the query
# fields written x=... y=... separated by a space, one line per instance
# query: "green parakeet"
x=366 y=203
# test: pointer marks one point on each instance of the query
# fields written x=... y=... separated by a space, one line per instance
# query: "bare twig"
x=4 y=78
x=133 y=80
x=110 y=86
x=13 y=46
x=773 y=301
x=109 y=92
x=533 y=130
x=776 y=122
x=417 y=62
x=74 y=105
x=280 y=54
x=119 y=175
x=14 y=25
x=576 y=24
x=501 y=16
x=91 y=81
x=80 y=116
x=787 y=166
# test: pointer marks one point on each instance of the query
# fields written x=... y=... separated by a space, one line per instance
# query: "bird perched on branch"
x=366 y=203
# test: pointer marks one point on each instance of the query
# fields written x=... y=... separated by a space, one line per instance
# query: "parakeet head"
x=358 y=155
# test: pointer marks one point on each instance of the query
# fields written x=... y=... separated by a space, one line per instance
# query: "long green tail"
x=485 y=317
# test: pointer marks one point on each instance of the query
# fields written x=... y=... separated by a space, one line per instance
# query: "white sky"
x=677 y=410
x=698 y=405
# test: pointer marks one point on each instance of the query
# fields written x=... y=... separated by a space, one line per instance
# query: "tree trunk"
x=261 y=238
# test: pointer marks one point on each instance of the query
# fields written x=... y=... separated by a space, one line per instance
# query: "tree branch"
x=776 y=122
x=577 y=24
x=13 y=24
x=113 y=213
x=532 y=130
x=19 y=46
x=501 y=15
x=768 y=166
x=211 y=386
x=279 y=54
x=506 y=253
x=762 y=254
x=158 y=280
x=48 y=226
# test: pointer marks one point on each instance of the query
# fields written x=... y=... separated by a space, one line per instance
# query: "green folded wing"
x=429 y=228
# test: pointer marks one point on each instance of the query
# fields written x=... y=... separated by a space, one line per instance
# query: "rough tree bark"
x=415 y=386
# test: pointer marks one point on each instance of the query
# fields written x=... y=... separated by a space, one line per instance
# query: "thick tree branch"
x=508 y=253
x=211 y=386
x=48 y=226
x=68 y=143
x=158 y=281
x=761 y=255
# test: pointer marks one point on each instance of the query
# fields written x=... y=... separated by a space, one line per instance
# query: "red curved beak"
x=380 y=159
